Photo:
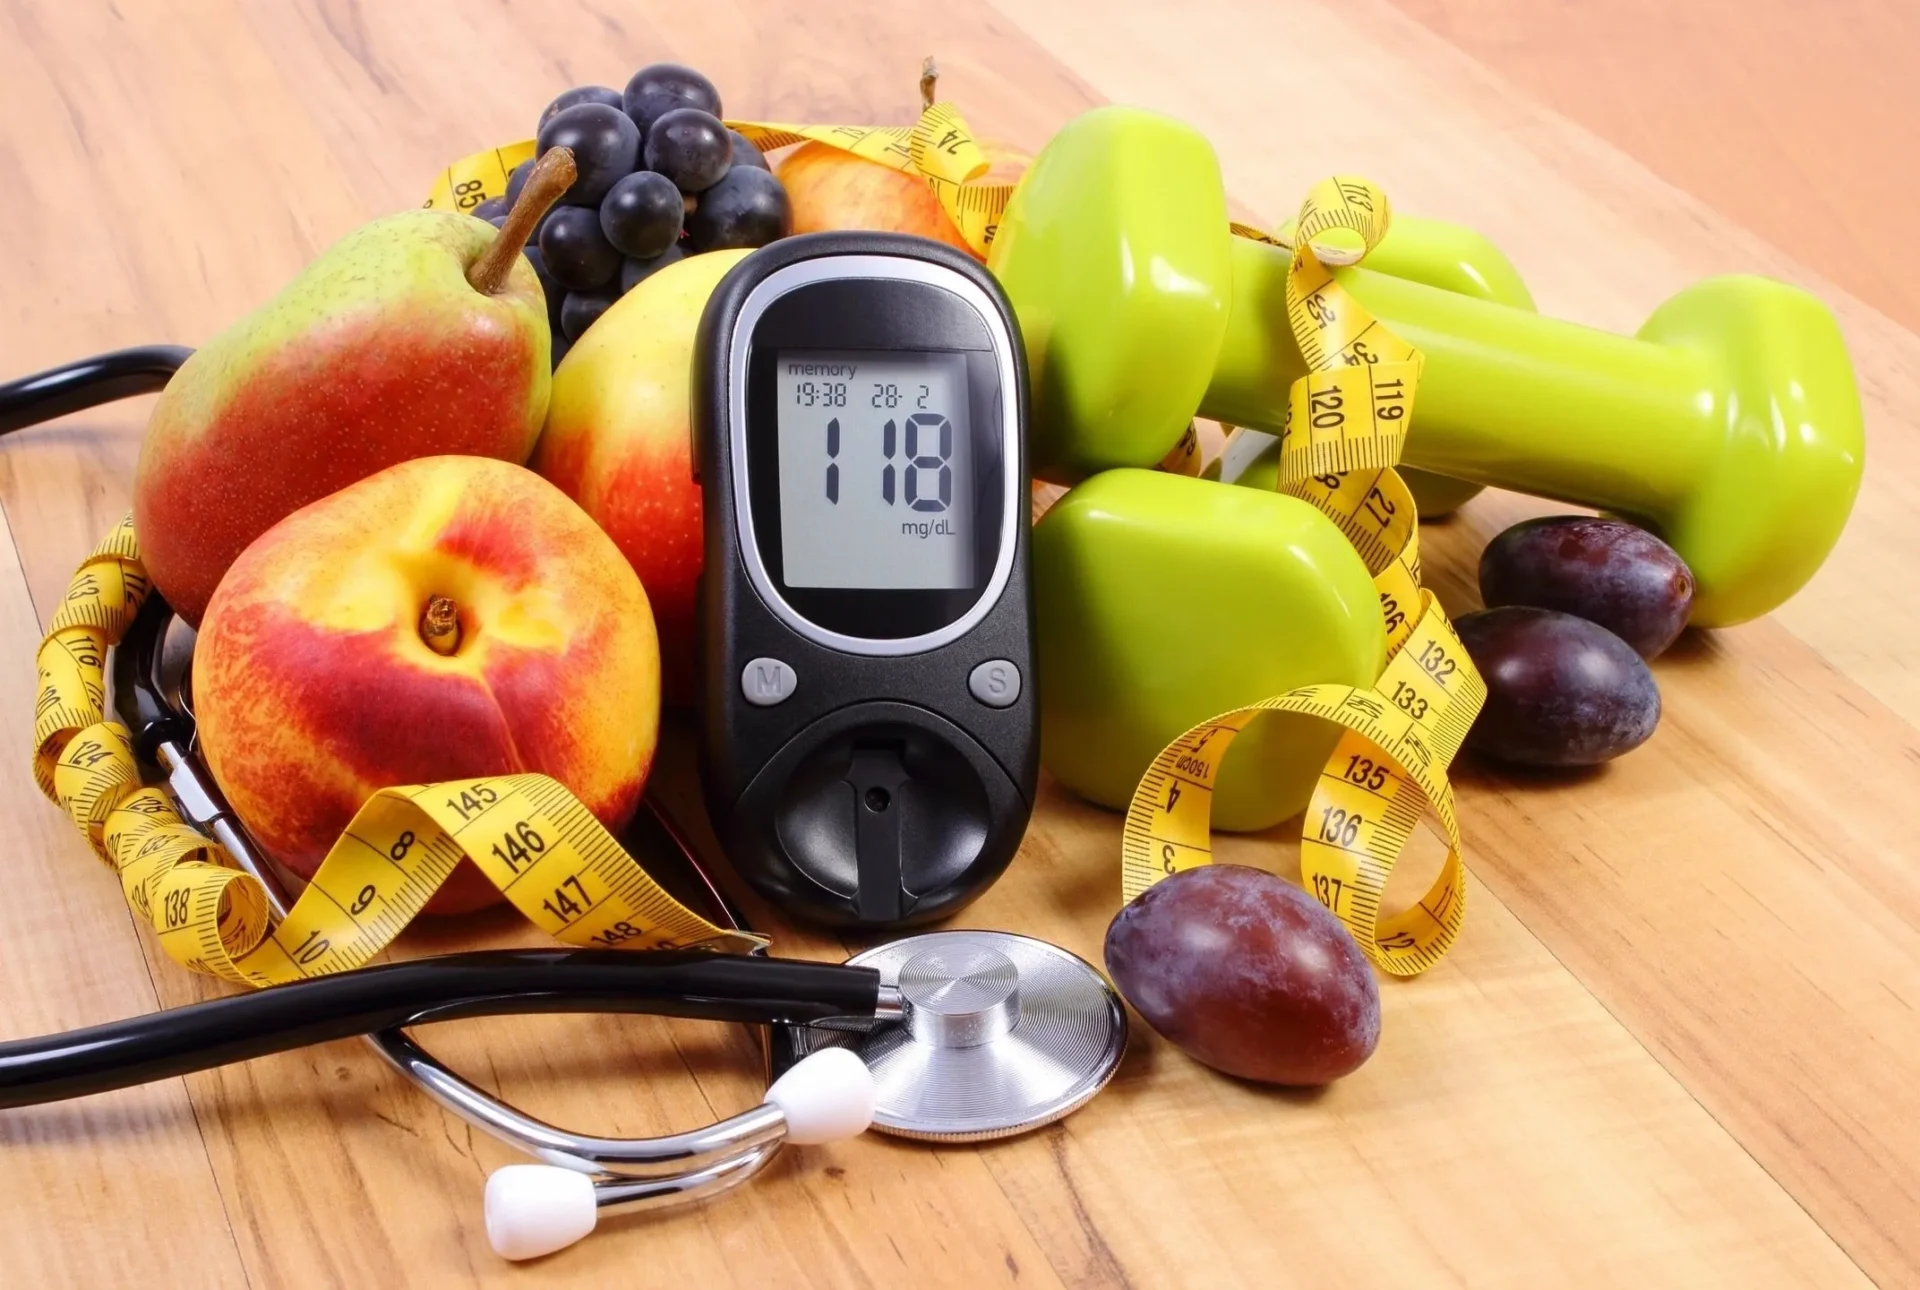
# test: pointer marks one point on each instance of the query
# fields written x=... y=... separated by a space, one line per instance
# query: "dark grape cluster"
x=660 y=178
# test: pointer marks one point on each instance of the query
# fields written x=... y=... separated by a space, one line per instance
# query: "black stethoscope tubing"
x=672 y=983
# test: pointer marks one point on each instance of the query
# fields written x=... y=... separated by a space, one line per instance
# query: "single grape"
x=634 y=272
x=487 y=210
x=517 y=179
x=582 y=94
x=745 y=154
x=583 y=308
x=548 y=287
x=1605 y=571
x=498 y=221
x=690 y=147
x=1242 y=970
x=577 y=254
x=642 y=214
x=747 y=208
x=1561 y=691
x=605 y=145
x=661 y=88
x=532 y=251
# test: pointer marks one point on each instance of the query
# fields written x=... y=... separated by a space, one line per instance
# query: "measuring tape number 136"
x=1346 y=424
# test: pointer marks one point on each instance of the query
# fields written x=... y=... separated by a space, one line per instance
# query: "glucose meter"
x=869 y=742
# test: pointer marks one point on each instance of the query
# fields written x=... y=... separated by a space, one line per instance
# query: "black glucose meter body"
x=869 y=744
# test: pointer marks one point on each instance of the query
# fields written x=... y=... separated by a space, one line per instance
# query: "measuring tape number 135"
x=1346 y=424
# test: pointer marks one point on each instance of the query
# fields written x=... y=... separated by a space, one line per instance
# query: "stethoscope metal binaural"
x=957 y=1036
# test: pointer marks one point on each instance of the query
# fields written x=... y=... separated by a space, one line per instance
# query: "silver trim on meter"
x=1013 y=509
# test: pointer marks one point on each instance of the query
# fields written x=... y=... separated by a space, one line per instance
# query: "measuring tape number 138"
x=1346 y=424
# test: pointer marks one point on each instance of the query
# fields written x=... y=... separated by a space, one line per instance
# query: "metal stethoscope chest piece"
x=1002 y=1033
x=976 y=1035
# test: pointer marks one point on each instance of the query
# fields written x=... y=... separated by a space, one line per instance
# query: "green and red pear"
x=420 y=334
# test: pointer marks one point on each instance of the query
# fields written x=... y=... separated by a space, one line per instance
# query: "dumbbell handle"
x=1494 y=377
x=1730 y=424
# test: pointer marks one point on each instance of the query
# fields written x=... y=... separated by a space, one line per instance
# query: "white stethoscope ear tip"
x=828 y=1095
x=533 y=1210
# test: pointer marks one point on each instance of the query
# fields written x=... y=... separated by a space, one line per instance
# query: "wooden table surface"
x=1678 y=1042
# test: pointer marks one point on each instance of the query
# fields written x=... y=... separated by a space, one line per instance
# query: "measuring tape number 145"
x=529 y=835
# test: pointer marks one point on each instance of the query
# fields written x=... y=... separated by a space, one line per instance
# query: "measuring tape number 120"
x=1346 y=424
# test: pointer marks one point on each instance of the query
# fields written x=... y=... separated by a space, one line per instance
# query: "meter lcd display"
x=876 y=470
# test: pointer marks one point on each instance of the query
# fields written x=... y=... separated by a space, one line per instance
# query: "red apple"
x=315 y=686
x=619 y=438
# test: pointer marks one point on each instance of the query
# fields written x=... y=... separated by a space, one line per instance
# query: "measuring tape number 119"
x=1346 y=424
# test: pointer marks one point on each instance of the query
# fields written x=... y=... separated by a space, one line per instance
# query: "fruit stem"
x=552 y=175
x=440 y=625
x=929 y=73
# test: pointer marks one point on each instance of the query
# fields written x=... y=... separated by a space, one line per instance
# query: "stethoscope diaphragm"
x=1003 y=1033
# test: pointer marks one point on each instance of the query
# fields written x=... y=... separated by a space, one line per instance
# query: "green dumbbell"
x=1730 y=424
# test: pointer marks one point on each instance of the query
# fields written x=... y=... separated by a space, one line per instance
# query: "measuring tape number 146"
x=531 y=837
x=1346 y=424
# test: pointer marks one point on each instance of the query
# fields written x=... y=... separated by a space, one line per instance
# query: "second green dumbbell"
x=1730 y=424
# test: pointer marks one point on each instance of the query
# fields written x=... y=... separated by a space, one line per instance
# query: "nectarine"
x=325 y=669
x=833 y=189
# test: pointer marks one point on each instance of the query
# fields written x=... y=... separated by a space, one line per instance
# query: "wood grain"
x=1670 y=1049
x=1699 y=888
x=89 y=1189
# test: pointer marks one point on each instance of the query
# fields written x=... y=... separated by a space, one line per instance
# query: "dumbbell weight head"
x=1162 y=600
x=1730 y=425
x=1113 y=251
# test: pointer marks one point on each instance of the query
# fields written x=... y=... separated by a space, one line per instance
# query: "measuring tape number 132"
x=1346 y=424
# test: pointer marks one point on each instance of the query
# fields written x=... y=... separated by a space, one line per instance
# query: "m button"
x=767 y=681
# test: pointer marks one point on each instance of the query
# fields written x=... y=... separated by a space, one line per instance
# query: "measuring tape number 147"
x=531 y=837
x=1346 y=423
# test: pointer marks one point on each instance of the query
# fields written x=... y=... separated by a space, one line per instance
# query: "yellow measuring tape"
x=529 y=835
x=1345 y=428
x=1346 y=423
x=939 y=147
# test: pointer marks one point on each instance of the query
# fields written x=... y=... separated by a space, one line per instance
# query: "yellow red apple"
x=833 y=189
x=618 y=441
x=315 y=683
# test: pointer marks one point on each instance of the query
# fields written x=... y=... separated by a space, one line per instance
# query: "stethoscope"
x=947 y=1036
